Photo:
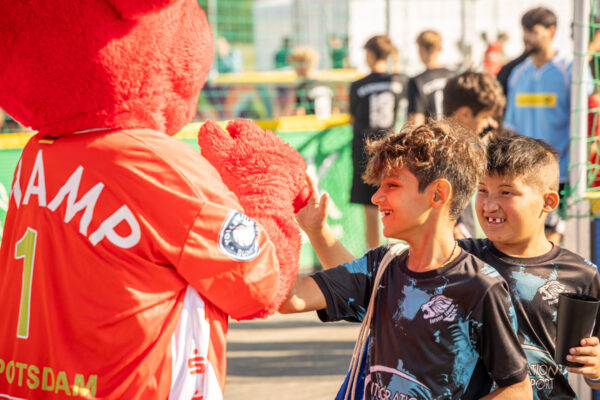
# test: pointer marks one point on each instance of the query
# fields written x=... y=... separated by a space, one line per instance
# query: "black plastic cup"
x=576 y=317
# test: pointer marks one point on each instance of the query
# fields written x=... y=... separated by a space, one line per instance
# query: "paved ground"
x=288 y=357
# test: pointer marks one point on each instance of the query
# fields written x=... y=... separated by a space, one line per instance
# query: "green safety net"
x=592 y=130
x=269 y=57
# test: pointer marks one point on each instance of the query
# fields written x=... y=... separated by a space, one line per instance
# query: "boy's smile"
x=400 y=204
x=512 y=214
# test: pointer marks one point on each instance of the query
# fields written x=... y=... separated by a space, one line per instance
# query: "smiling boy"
x=514 y=197
x=441 y=317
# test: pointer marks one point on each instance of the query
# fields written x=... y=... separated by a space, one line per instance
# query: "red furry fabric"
x=267 y=175
x=76 y=65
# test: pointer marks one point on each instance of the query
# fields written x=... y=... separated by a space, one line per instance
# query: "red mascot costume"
x=124 y=250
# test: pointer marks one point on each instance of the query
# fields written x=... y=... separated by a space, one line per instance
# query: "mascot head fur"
x=64 y=70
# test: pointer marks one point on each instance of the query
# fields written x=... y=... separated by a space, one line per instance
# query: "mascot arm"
x=268 y=177
x=229 y=259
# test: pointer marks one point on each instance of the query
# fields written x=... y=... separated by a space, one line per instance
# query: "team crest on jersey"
x=439 y=308
x=238 y=237
x=551 y=290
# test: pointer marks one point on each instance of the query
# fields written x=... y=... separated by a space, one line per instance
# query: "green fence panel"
x=8 y=162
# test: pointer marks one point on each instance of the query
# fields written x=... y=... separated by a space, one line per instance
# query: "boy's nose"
x=490 y=205
x=376 y=198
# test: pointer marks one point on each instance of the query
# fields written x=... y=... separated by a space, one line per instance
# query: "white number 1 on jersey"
x=25 y=249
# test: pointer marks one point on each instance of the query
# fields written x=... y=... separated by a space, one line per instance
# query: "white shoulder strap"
x=359 y=347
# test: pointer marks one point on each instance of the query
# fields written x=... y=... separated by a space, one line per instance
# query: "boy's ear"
x=441 y=191
x=463 y=115
x=551 y=200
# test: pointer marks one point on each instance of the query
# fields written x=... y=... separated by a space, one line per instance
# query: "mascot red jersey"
x=125 y=251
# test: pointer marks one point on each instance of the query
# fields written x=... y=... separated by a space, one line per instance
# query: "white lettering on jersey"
x=107 y=229
x=434 y=85
x=39 y=189
x=37 y=186
x=87 y=202
x=381 y=110
x=15 y=191
x=439 y=308
x=551 y=290
x=375 y=87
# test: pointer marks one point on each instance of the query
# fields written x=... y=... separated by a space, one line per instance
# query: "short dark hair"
x=435 y=150
x=381 y=46
x=521 y=156
x=475 y=90
x=538 y=16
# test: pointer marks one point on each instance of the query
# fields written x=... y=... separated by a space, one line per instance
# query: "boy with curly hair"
x=442 y=323
x=516 y=193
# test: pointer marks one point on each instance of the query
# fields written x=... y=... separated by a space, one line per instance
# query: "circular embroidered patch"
x=238 y=237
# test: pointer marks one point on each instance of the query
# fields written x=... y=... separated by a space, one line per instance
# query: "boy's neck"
x=433 y=62
x=379 y=67
x=433 y=250
x=534 y=247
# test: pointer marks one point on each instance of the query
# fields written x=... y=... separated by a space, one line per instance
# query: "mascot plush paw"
x=267 y=175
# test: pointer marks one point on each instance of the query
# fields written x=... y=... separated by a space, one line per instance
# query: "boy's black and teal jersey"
x=535 y=284
x=441 y=334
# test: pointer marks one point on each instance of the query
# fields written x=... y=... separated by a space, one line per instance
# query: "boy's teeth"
x=496 y=220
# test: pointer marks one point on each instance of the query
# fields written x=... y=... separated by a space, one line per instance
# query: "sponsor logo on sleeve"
x=238 y=237
x=439 y=308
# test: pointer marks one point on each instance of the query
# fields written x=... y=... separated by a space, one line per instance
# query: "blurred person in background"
x=374 y=102
x=224 y=97
x=425 y=91
x=338 y=50
x=312 y=96
x=539 y=97
x=283 y=53
x=473 y=100
x=229 y=59
x=493 y=57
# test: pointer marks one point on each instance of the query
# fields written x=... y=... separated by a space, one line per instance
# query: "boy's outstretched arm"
x=304 y=296
x=589 y=356
x=521 y=390
x=312 y=219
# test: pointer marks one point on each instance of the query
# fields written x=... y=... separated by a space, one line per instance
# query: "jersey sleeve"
x=227 y=252
x=498 y=345
x=594 y=291
x=347 y=289
x=415 y=101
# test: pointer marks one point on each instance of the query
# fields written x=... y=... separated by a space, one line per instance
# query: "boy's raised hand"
x=313 y=216
x=589 y=356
